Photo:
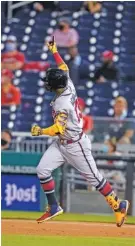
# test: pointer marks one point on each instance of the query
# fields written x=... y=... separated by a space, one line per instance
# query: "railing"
x=30 y=146
x=102 y=131
x=39 y=144
x=12 y=6
x=76 y=179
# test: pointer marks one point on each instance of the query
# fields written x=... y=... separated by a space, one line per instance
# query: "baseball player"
x=72 y=145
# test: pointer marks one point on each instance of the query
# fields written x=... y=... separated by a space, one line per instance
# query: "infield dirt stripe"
x=55 y=228
x=70 y=223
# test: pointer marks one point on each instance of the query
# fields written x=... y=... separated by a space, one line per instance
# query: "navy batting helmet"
x=55 y=79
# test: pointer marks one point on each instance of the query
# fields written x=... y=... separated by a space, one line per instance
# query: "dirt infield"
x=27 y=227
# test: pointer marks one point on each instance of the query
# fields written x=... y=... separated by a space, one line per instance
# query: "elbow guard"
x=59 y=126
x=61 y=122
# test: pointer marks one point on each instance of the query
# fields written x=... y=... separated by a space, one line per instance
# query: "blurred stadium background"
x=110 y=29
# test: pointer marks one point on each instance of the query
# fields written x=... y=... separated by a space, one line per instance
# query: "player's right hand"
x=52 y=46
x=36 y=130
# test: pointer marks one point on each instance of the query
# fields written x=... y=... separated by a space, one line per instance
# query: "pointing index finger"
x=53 y=40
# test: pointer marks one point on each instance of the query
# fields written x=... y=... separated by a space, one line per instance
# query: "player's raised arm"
x=59 y=61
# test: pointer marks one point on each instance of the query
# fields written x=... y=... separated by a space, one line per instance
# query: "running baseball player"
x=72 y=145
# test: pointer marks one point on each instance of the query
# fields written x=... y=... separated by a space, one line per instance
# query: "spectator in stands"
x=65 y=35
x=5 y=139
x=10 y=95
x=87 y=119
x=40 y=6
x=109 y=146
x=12 y=59
x=107 y=71
x=120 y=130
x=92 y=6
x=74 y=64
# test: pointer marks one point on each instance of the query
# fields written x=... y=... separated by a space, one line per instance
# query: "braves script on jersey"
x=67 y=103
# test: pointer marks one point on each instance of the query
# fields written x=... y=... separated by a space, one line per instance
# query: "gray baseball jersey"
x=78 y=153
x=67 y=103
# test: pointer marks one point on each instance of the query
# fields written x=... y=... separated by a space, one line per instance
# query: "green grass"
x=21 y=240
x=65 y=217
x=64 y=241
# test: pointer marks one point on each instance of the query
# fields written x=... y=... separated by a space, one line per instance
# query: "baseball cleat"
x=120 y=208
x=121 y=212
x=51 y=212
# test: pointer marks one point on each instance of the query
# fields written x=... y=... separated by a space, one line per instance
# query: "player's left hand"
x=36 y=130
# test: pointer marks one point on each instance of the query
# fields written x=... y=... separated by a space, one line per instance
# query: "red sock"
x=106 y=189
x=48 y=186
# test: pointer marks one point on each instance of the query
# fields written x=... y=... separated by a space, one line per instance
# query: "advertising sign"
x=20 y=192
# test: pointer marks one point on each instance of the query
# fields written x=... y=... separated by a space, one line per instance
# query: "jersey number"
x=77 y=110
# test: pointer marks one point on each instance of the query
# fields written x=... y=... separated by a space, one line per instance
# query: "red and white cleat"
x=51 y=212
